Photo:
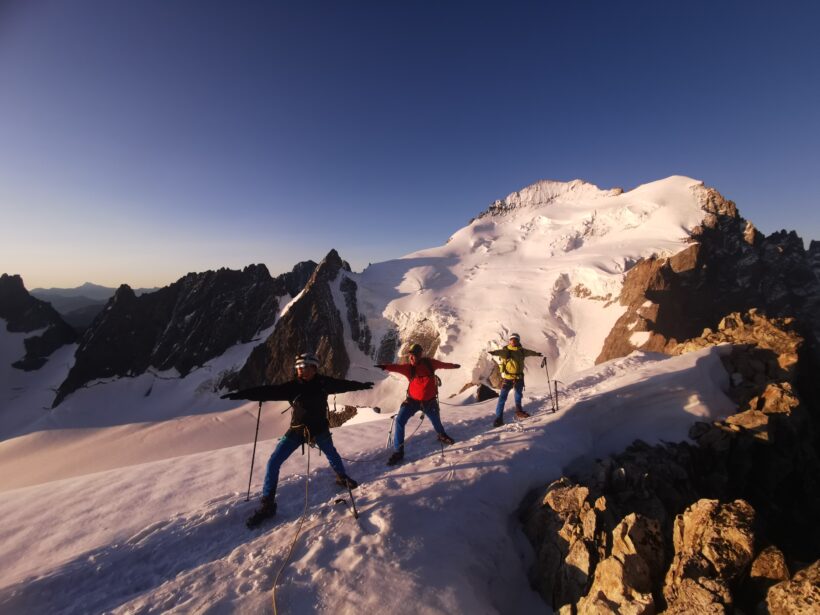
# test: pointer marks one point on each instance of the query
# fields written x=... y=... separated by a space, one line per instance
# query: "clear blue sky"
x=142 y=140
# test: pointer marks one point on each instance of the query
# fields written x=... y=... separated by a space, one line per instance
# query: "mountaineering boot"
x=346 y=481
x=266 y=509
x=498 y=422
x=396 y=457
x=445 y=439
x=520 y=414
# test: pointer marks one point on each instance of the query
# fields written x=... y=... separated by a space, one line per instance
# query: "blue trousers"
x=289 y=443
x=408 y=409
x=505 y=390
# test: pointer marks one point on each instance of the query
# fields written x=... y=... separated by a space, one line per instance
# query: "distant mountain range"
x=80 y=305
x=583 y=274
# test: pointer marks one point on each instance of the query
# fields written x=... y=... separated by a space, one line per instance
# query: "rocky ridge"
x=182 y=325
x=24 y=313
x=730 y=267
x=312 y=323
x=726 y=518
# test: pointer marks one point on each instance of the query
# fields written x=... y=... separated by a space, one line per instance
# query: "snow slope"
x=545 y=262
x=120 y=422
x=25 y=397
x=436 y=535
x=129 y=496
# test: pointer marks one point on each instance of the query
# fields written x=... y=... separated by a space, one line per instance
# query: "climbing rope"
x=389 y=440
x=305 y=435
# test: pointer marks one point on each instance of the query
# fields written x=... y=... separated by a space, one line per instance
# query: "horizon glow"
x=145 y=141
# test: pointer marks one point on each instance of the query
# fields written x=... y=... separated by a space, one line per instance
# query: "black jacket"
x=308 y=398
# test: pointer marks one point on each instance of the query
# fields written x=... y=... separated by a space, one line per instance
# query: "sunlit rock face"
x=730 y=267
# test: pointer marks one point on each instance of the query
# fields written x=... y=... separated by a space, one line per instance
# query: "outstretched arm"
x=531 y=353
x=497 y=352
x=336 y=385
x=398 y=368
x=442 y=365
x=269 y=392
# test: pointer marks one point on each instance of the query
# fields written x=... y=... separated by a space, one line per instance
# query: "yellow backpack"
x=512 y=364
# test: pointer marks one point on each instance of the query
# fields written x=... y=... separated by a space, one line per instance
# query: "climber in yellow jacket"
x=511 y=363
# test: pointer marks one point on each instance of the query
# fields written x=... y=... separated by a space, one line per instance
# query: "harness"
x=307 y=437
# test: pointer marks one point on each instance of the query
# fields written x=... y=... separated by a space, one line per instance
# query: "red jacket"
x=422 y=378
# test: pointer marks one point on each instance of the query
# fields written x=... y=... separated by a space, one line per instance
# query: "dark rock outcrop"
x=312 y=323
x=83 y=317
x=337 y=418
x=814 y=257
x=295 y=280
x=757 y=469
x=483 y=393
x=359 y=330
x=25 y=314
x=730 y=267
x=388 y=347
x=180 y=326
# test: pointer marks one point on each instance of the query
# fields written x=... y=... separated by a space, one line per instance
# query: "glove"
x=456 y=365
x=381 y=366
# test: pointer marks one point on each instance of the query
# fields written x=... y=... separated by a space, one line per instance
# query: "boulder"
x=800 y=595
x=714 y=545
x=563 y=524
x=768 y=569
x=623 y=582
x=776 y=398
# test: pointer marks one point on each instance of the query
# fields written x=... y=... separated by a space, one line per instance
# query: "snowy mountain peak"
x=544 y=192
x=547 y=262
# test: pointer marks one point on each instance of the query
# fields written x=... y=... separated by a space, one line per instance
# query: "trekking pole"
x=549 y=384
x=390 y=433
x=556 y=394
x=253 y=455
x=352 y=502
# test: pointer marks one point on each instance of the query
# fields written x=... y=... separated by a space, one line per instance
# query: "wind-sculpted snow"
x=436 y=535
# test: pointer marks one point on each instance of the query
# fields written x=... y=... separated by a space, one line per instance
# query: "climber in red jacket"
x=422 y=394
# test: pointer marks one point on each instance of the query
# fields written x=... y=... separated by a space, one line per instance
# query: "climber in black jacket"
x=307 y=393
